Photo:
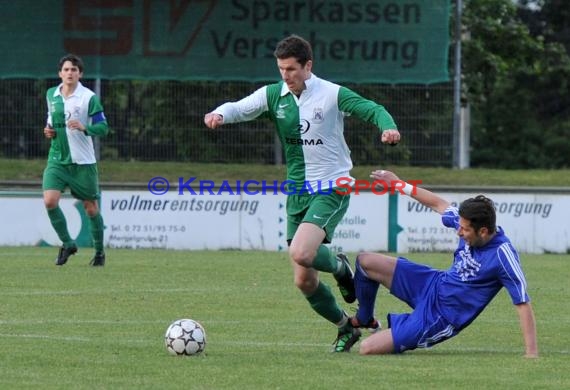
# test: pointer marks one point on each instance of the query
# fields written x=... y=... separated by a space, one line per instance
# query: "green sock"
x=324 y=303
x=97 y=227
x=59 y=223
x=325 y=260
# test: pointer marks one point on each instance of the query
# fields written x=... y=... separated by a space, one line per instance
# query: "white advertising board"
x=24 y=220
x=536 y=223
x=225 y=221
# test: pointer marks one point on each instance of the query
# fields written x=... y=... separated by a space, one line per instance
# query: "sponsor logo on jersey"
x=303 y=127
x=74 y=114
x=301 y=141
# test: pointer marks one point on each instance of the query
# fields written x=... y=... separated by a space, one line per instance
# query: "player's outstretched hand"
x=213 y=120
x=384 y=176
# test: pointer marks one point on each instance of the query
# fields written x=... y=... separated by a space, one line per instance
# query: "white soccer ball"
x=185 y=337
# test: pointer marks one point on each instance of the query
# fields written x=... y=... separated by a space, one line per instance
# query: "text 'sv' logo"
x=173 y=33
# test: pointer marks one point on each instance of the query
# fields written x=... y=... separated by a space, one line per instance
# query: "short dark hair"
x=294 y=46
x=480 y=212
x=75 y=60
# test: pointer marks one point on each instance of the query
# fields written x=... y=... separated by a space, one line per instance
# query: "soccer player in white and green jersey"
x=75 y=115
x=308 y=113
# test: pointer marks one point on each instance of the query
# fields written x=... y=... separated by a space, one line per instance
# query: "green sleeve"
x=273 y=92
x=367 y=110
x=101 y=128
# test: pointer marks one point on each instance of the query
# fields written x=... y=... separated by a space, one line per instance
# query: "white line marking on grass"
x=166 y=322
x=45 y=337
x=435 y=350
x=77 y=322
x=272 y=344
x=100 y=292
x=106 y=340
x=143 y=341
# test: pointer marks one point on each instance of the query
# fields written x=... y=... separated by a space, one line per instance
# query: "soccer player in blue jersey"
x=308 y=113
x=75 y=116
x=444 y=302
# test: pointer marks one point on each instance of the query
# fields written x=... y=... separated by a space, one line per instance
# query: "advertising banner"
x=224 y=221
x=535 y=223
x=353 y=41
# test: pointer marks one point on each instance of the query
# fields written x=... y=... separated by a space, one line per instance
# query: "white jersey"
x=71 y=146
x=311 y=127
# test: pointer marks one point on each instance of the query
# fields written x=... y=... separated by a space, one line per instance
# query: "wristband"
x=408 y=189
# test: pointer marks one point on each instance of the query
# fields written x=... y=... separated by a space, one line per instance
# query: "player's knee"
x=91 y=208
x=365 y=260
x=376 y=263
x=365 y=347
x=380 y=343
x=50 y=203
x=91 y=212
x=301 y=256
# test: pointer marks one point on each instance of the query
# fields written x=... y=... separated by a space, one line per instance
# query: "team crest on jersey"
x=466 y=267
x=318 y=115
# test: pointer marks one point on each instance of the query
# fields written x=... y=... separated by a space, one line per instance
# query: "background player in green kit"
x=75 y=115
x=308 y=113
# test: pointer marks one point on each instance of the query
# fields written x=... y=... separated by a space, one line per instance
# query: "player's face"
x=69 y=73
x=294 y=74
x=469 y=235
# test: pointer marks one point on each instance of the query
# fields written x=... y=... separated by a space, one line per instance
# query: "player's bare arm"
x=528 y=329
x=425 y=197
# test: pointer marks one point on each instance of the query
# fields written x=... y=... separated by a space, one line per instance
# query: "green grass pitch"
x=77 y=327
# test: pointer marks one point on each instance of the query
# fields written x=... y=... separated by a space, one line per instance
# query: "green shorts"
x=323 y=210
x=82 y=180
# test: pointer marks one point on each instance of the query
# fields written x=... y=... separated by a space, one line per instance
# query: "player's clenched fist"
x=213 y=120
x=390 y=137
x=49 y=132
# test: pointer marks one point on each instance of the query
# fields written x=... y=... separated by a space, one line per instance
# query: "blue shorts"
x=416 y=284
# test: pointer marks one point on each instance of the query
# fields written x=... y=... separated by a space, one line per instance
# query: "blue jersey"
x=476 y=276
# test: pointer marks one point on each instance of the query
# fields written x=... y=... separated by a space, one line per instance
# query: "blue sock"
x=366 y=290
